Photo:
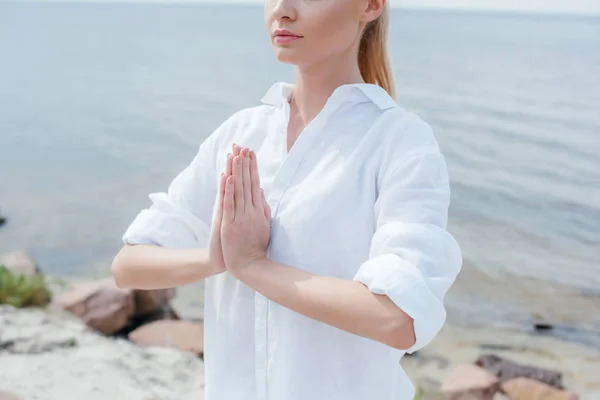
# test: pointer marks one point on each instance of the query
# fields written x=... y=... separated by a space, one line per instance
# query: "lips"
x=286 y=39
x=283 y=36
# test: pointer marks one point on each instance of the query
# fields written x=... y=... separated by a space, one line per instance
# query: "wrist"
x=245 y=269
x=200 y=265
x=210 y=266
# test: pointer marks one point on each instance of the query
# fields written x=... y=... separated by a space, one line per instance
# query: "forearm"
x=344 y=304
x=153 y=267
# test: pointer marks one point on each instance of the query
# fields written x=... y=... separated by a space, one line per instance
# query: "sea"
x=103 y=103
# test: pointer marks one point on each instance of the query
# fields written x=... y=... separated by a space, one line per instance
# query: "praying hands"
x=243 y=217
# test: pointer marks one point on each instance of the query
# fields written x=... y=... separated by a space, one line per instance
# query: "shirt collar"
x=281 y=92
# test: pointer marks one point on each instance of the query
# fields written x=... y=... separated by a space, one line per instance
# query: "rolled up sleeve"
x=413 y=259
x=181 y=217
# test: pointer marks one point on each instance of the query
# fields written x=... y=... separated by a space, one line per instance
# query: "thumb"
x=266 y=206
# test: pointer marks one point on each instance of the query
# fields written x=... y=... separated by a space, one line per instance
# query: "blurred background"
x=102 y=103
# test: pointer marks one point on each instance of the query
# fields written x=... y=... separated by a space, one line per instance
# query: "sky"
x=552 y=6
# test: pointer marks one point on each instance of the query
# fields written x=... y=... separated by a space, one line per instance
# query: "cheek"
x=268 y=12
x=331 y=28
x=268 y=7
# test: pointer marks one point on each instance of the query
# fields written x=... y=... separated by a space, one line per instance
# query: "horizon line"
x=396 y=7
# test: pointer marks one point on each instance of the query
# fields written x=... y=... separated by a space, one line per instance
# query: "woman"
x=318 y=283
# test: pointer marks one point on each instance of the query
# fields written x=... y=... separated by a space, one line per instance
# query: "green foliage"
x=419 y=394
x=422 y=394
x=21 y=290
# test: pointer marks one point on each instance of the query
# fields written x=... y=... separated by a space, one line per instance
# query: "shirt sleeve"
x=413 y=259
x=181 y=217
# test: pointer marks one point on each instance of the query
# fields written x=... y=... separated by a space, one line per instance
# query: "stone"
x=540 y=323
x=531 y=389
x=164 y=312
x=148 y=301
x=470 y=382
x=506 y=370
x=20 y=262
x=8 y=396
x=184 y=335
x=99 y=367
x=101 y=305
x=36 y=332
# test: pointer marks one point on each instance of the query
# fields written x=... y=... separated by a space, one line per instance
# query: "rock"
x=101 y=305
x=20 y=262
x=6 y=395
x=164 y=312
x=540 y=324
x=97 y=368
x=148 y=301
x=34 y=333
x=506 y=370
x=2 y=222
x=531 y=389
x=184 y=335
x=470 y=382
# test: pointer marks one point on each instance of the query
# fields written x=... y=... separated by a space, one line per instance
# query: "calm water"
x=101 y=104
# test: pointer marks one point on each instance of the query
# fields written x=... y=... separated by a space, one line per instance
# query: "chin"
x=287 y=56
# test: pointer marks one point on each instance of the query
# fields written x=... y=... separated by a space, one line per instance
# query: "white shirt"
x=362 y=195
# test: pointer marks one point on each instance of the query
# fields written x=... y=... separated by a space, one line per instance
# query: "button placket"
x=281 y=181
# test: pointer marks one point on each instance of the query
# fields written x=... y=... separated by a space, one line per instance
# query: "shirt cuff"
x=404 y=284
x=166 y=225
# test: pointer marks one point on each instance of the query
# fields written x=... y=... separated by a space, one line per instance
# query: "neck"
x=316 y=83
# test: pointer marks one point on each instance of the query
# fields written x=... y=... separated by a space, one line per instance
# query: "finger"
x=221 y=193
x=246 y=183
x=238 y=188
x=266 y=206
x=229 y=200
x=218 y=216
x=255 y=181
x=229 y=168
x=236 y=149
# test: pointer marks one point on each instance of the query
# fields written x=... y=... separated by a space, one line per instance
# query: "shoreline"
x=564 y=322
x=455 y=345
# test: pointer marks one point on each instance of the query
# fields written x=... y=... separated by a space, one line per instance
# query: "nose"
x=285 y=10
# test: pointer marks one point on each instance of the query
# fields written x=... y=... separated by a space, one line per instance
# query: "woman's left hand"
x=246 y=225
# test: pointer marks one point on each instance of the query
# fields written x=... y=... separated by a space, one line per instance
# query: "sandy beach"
x=47 y=339
x=457 y=344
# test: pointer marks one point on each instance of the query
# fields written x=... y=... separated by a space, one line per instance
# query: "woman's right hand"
x=215 y=248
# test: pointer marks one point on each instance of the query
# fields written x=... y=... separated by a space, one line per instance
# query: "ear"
x=373 y=10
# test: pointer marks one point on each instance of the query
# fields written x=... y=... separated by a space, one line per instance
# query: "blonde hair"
x=373 y=59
